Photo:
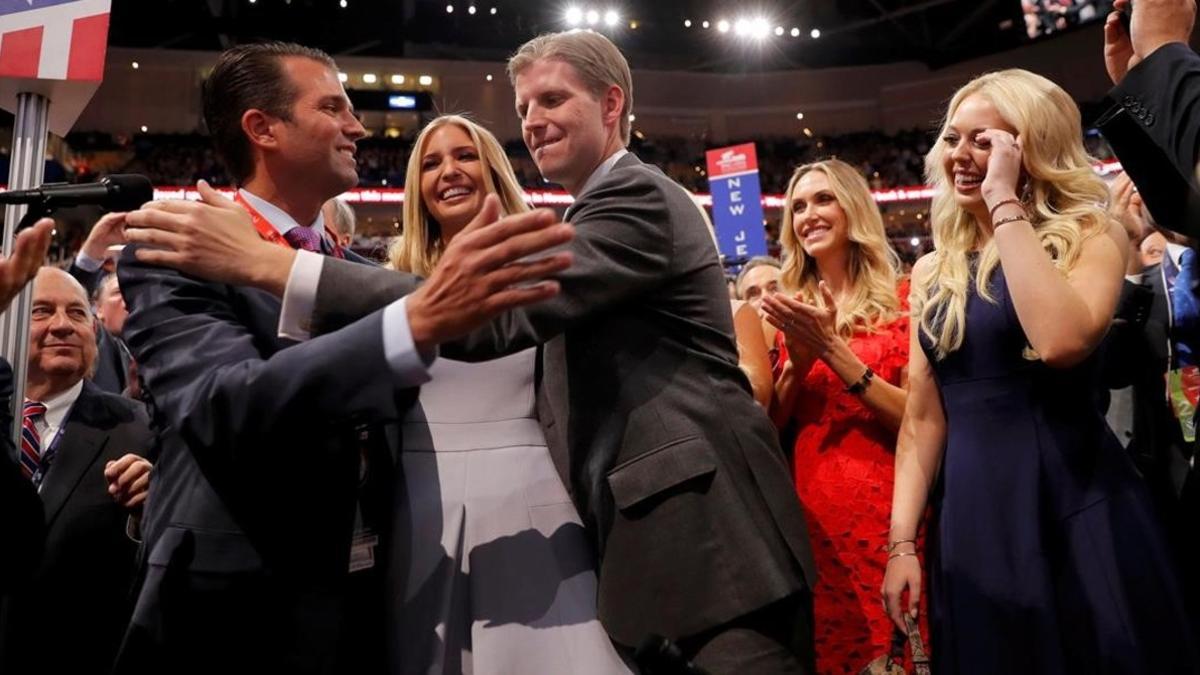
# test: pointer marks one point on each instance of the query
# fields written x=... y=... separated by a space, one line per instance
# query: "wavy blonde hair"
x=874 y=266
x=1064 y=198
x=419 y=247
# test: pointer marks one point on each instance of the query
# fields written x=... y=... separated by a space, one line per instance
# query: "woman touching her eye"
x=1045 y=554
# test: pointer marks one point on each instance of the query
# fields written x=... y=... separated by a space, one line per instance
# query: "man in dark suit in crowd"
x=22 y=525
x=674 y=468
x=113 y=361
x=1154 y=331
x=272 y=494
x=84 y=450
x=1153 y=124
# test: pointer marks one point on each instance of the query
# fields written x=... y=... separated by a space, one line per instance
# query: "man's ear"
x=259 y=127
x=613 y=103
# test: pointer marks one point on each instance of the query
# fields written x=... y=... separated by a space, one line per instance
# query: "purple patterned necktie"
x=304 y=238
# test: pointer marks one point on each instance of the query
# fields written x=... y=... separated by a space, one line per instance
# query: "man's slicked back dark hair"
x=246 y=77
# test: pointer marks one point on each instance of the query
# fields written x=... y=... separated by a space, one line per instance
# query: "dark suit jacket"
x=70 y=617
x=1153 y=125
x=675 y=470
x=1136 y=354
x=22 y=529
x=250 y=516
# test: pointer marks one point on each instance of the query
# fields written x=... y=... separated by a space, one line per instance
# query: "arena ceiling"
x=652 y=32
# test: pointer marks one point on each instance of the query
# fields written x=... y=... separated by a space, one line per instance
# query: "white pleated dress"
x=490 y=570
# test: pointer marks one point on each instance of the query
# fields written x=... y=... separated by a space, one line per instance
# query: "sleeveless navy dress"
x=1045 y=554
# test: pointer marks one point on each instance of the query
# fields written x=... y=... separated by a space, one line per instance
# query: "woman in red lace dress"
x=840 y=380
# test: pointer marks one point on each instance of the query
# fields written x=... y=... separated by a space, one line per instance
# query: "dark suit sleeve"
x=222 y=388
x=21 y=519
x=1153 y=124
x=85 y=278
x=622 y=248
x=1126 y=337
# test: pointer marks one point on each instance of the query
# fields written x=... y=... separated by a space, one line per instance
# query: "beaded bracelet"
x=1011 y=219
x=992 y=212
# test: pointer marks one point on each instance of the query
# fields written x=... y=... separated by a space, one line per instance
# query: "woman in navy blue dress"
x=1044 y=553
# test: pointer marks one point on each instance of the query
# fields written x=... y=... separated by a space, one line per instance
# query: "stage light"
x=760 y=28
x=397 y=79
x=632 y=118
x=449 y=9
x=741 y=27
x=342 y=77
x=799 y=116
x=723 y=26
x=425 y=80
x=493 y=12
x=808 y=132
x=370 y=78
x=915 y=241
x=253 y=1
x=574 y=16
x=687 y=23
x=135 y=65
x=593 y=17
x=343 y=4
x=778 y=31
x=704 y=25
x=471 y=9
x=489 y=78
x=795 y=32
x=633 y=25
x=816 y=33
x=611 y=18
x=145 y=128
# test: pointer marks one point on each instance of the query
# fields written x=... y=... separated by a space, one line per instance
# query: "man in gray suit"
x=676 y=472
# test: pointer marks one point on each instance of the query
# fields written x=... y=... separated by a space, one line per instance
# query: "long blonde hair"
x=874 y=265
x=1064 y=198
x=419 y=247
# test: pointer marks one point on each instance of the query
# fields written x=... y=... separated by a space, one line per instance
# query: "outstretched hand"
x=28 y=254
x=485 y=272
x=213 y=239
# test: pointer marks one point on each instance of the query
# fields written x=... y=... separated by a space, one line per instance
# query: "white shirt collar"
x=278 y=218
x=1176 y=252
x=58 y=406
x=601 y=171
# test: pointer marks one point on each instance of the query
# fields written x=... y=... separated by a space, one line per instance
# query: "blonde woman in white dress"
x=490 y=567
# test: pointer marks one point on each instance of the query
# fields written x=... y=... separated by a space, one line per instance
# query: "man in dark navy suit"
x=85 y=452
x=272 y=492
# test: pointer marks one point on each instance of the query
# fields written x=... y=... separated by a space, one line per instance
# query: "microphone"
x=118 y=192
x=659 y=656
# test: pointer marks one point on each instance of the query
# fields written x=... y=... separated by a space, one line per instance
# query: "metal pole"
x=26 y=169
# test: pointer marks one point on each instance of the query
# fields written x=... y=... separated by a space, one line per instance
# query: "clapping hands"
x=806 y=328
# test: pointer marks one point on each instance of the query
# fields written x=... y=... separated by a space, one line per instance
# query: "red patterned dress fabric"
x=844 y=463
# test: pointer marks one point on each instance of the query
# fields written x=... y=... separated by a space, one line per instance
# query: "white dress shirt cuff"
x=300 y=296
x=410 y=367
x=87 y=263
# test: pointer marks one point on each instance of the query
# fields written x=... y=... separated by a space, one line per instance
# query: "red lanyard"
x=268 y=232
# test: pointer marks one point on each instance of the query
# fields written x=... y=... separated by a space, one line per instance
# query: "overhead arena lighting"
x=574 y=16
x=593 y=17
x=611 y=18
